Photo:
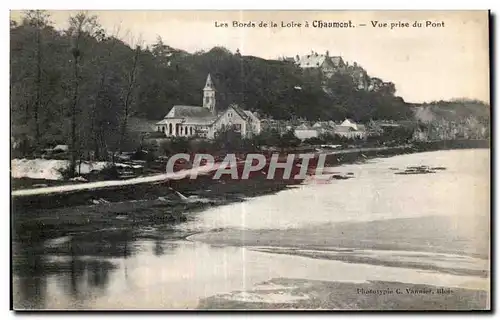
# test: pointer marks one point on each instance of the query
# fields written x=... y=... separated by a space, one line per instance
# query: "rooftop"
x=180 y=111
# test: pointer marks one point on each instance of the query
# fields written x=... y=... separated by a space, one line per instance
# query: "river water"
x=313 y=246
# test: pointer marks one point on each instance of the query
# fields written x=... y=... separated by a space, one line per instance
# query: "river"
x=380 y=240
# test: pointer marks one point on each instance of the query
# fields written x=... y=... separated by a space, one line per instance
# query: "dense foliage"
x=94 y=81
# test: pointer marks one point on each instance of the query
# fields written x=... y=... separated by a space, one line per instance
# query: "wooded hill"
x=456 y=110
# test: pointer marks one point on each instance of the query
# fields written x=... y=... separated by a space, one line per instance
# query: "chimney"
x=327 y=53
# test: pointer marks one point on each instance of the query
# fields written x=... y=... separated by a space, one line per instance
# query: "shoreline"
x=41 y=217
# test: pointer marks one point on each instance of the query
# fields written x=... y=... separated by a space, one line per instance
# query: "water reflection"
x=32 y=285
x=79 y=267
x=162 y=247
x=108 y=243
x=196 y=271
x=78 y=277
x=136 y=269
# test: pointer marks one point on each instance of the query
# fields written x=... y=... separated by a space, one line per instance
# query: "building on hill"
x=205 y=121
x=330 y=65
x=323 y=62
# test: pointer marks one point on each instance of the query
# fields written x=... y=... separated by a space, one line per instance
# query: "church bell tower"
x=209 y=95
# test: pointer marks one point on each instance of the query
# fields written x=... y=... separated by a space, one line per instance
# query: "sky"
x=425 y=64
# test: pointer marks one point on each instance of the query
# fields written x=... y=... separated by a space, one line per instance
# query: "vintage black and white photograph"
x=250 y=160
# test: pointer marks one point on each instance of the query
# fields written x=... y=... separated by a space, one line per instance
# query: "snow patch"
x=49 y=169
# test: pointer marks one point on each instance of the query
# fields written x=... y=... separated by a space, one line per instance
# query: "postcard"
x=250 y=160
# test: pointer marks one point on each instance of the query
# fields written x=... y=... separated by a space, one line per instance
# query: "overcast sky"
x=424 y=63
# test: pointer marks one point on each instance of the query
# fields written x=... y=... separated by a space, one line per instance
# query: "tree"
x=227 y=138
x=128 y=92
x=104 y=62
x=268 y=138
x=289 y=140
x=81 y=26
x=37 y=20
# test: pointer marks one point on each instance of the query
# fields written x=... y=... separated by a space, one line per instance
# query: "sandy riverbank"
x=304 y=294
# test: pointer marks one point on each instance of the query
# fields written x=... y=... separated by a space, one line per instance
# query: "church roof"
x=189 y=112
x=200 y=121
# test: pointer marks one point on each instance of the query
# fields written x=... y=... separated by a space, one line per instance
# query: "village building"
x=205 y=121
x=350 y=129
x=304 y=132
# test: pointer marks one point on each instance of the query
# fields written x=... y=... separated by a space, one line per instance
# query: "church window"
x=191 y=131
x=170 y=129
x=163 y=129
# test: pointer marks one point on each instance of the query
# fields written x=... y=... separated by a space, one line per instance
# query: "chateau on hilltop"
x=330 y=65
x=205 y=121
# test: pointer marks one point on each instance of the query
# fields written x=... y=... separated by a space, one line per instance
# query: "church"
x=205 y=121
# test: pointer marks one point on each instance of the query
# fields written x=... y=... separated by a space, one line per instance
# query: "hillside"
x=81 y=86
x=457 y=119
x=457 y=110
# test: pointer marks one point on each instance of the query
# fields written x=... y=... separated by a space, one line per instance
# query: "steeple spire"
x=209 y=84
x=209 y=95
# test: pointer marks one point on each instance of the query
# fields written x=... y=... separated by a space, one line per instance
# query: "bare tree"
x=104 y=62
x=37 y=19
x=80 y=25
x=128 y=94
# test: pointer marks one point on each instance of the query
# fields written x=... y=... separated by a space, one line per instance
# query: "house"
x=323 y=127
x=350 y=129
x=304 y=132
x=205 y=121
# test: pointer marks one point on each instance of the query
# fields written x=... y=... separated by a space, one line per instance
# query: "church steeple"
x=209 y=95
x=209 y=84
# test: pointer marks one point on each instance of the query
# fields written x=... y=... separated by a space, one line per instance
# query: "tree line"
x=81 y=85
